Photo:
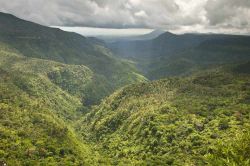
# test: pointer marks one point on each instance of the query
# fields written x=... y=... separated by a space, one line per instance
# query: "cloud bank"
x=196 y=15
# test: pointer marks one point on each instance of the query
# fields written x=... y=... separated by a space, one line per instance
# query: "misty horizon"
x=120 y=32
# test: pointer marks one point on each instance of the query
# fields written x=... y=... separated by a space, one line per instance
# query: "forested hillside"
x=33 y=40
x=36 y=113
x=197 y=120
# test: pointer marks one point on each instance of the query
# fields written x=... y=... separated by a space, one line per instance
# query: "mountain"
x=151 y=35
x=171 y=55
x=148 y=36
x=216 y=51
x=201 y=119
x=33 y=40
x=164 y=44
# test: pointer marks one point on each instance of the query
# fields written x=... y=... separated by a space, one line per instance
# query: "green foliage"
x=223 y=124
x=173 y=121
x=232 y=151
x=37 y=113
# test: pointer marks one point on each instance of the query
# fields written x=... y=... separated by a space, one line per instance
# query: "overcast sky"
x=229 y=16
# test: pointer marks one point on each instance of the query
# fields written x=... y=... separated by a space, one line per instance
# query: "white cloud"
x=141 y=14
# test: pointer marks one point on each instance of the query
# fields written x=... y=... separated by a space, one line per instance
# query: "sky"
x=179 y=16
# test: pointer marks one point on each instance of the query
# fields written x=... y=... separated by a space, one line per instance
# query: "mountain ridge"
x=157 y=58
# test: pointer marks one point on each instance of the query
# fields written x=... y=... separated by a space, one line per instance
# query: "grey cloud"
x=167 y=14
x=229 y=13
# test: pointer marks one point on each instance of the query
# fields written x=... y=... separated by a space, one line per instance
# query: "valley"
x=66 y=99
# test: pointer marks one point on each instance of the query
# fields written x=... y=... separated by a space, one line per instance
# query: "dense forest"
x=66 y=99
x=176 y=120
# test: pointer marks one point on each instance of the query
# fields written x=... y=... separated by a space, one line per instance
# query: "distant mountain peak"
x=154 y=34
x=166 y=35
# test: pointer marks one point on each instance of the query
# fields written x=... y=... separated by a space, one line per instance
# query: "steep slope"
x=33 y=40
x=38 y=111
x=176 y=121
x=171 y=55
